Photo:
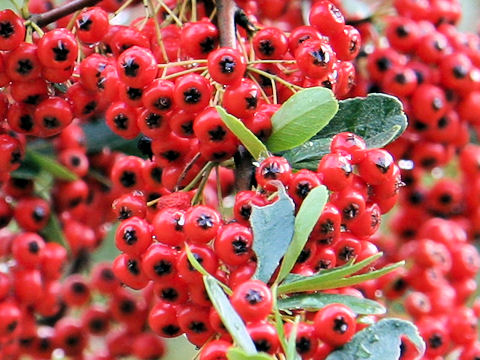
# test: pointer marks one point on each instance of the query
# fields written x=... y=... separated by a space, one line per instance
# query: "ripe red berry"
x=335 y=324
x=226 y=65
x=12 y=30
x=252 y=300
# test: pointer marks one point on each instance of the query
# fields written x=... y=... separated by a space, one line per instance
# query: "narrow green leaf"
x=50 y=165
x=357 y=279
x=318 y=283
x=294 y=281
x=197 y=266
x=378 y=118
x=272 y=227
x=300 y=117
x=246 y=137
x=53 y=231
x=314 y=302
x=380 y=341
x=230 y=319
x=306 y=218
x=291 y=353
x=235 y=353
x=278 y=318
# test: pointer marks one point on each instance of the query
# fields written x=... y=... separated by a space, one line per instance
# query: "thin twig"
x=186 y=169
x=61 y=11
x=226 y=22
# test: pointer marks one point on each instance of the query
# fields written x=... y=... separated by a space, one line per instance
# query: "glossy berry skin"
x=347 y=43
x=242 y=99
x=306 y=342
x=315 y=58
x=137 y=67
x=273 y=168
x=23 y=64
x=204 y=255
x=57 y=49
x=233 y=244
x=128 y=270
x=199 y=39
x=336 y=171
x=349 y=144
x=75 y=290
x=270 y=43
x=92 y=25
x=159 y=262
x=226 y=65
x=133 y=236
x=335 y=324
x=252 y=300
x=11 y=153
x=168 y=226
x=215 y=350
x=243 y=205
x=326 y=18
x=377 y=167
x=192 y=92
x=52 y=115
x=264 y=336
x=32 y=214
x=158 y=96
x=11 y=317
x=208 y=127
x=301 y=184
x=12 y=30
x=201 y=224
x=162 y=319
x=27 y=249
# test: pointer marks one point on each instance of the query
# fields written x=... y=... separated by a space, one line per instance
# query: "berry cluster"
x=433 y=68
x=364 y=184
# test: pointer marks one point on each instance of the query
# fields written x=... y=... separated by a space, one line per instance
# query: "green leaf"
x=49 y=164
x=306 y=218
x=53 y=231
x=246 y=137
x=272 y=227
x=229 y=316
x=25 y=172
x=378 y=119
x=278 y=318
x=294 y=282
x=313 y=302
x=303 y=115
x=291 y=353
x=99 y=135
x=318 y=283
x=380 y=341
x=238 y=354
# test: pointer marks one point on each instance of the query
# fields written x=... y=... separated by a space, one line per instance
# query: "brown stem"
x=226 y=22
x=61 y=11
x=244 y=170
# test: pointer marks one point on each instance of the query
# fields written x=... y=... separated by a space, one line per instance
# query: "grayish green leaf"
x=272 y=227
x=380 y=341
x=306 y=218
